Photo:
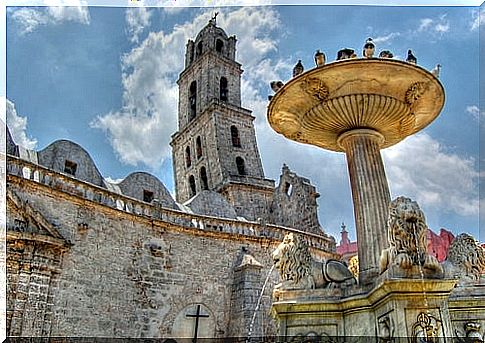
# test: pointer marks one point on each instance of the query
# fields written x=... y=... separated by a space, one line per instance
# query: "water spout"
x=258 y=304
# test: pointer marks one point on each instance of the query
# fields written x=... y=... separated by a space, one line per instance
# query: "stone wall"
x=134 y=269
x=295 y=203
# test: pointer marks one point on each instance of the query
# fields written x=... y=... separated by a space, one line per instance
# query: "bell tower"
x=215 y=146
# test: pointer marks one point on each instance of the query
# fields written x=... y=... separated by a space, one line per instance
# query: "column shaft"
x=370 y=193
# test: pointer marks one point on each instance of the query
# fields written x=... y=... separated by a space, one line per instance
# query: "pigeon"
x=298 y=69
x=344 y=54
x=319 y=58
x=276 y=85
x=369 y=48
x=436 y=70
x=411 y=58
x=386 y=54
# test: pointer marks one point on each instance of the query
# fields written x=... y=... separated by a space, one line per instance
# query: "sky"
x=105 y=78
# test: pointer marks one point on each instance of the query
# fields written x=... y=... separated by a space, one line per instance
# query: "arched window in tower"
x=219 y=45
x=241 y=168
x=192 y=100
x=198 y=147
x=235 y=137
x=192 y=188
x=203 y=178
x=199 y=49
x=188 y=160
x=223 y=89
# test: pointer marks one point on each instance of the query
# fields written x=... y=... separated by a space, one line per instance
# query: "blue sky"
x=104 y=77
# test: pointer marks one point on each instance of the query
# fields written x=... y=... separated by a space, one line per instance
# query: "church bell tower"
x=215 y=146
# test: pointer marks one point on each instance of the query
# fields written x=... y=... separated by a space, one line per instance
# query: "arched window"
x=188 y=160
x=203 y=178
x=223 y=93
x=241 y=169
x=192 y=186
x=235 y=137
x=199 y=49
x=198 y=147
x=219 y=45
x=192 y=100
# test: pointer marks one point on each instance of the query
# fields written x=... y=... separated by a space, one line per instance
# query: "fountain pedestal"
x=395 y=308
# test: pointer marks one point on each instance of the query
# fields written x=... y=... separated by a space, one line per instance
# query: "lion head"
x=407 y=229
x=469 y=257
x=292 y=259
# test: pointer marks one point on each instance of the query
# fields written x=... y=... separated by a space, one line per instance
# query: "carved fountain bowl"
x=395 y=98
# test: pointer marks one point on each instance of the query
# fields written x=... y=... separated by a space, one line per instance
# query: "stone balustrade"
x=65 y=183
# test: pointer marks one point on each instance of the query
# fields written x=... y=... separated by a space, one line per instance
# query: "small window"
x=70 y=167
x=219 y=45
x=203 y=178
x=192 y=188
x=235 y=137
x=199 y=49
x=188 y=160
x=223 y=92
x=198 y=147
x=241 y=169
x=147 y=196
x=288 y=188
x=192 y=100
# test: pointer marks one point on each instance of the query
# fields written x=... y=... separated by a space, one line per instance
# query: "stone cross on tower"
x=214 y=18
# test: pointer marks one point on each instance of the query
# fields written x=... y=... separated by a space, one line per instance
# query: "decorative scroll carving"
x=316 y=88
x=426 y=329
x=415 y=91
x=466 y=258
x=298 y=270
x=354 y=266
x=407 y=232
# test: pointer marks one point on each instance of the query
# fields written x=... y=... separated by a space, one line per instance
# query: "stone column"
x=370 y=193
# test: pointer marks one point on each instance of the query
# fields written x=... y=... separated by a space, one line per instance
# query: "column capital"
x=368 y=133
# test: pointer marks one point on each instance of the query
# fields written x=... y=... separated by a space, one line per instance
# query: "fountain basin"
x=394 y=98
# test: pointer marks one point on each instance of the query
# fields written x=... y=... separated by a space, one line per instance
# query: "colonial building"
x=87 y=257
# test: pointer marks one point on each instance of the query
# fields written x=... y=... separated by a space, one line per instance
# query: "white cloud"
x=387 y=38
x=17 y=126
x=141 y=130
x=474 y=111
x=478 y=18
x=421 y=168
x=137 y=20
x=56 y=12
x=437 y=26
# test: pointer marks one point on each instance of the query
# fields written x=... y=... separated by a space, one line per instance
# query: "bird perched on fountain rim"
x=275 y=86
x=411 y=58
x=319 y=58
x=346 y=53
x=298 y=69
x=436 y=70
x=369 y=48
x=386 y=54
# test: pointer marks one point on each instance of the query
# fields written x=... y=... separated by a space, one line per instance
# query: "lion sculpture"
x=298 y=270
x=466 y=258
x=407 y=235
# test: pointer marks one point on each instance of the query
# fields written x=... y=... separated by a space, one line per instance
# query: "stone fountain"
x=359 y=106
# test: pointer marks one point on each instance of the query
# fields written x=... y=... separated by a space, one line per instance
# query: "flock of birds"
x=368 y=52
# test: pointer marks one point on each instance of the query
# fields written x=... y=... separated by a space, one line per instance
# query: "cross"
x=197 y=315
x=214 y=18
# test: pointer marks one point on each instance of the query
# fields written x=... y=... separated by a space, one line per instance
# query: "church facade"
x=89 y=258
